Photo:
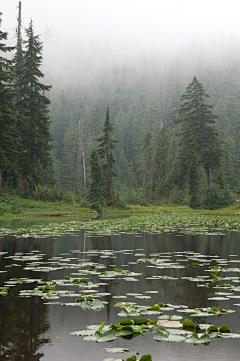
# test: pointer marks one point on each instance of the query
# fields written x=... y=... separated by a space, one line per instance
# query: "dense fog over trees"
x=138 y=58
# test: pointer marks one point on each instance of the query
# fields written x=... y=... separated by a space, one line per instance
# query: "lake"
x=38 y=327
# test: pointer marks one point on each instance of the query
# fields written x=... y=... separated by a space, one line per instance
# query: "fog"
x=175 y=20
x=85 y=37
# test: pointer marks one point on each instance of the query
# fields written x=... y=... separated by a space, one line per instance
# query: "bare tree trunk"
x=81 y=155
x=208 y=175
x=108 y=175
x=19 y=37
x=84 y=168
x=25 y=183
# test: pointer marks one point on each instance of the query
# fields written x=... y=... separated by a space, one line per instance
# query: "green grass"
x=141 y=210
x=32 y=208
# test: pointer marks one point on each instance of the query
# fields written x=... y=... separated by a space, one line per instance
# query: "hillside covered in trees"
x=174 y=117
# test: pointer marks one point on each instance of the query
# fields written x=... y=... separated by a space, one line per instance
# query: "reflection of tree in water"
x=23 y=321
x=22 y=325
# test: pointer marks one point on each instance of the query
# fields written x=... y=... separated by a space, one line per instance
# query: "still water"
x=32 y=329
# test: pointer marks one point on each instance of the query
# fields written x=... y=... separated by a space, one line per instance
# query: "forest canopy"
x=173 y=132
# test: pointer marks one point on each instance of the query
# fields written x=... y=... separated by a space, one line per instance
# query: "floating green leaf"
x=117 y=350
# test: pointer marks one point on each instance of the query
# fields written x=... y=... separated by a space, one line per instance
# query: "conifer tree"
x=193 y=181
x=106 y=148
x=32 y=107
x=198 y=133
x=148 y=158
x=162 y=154
x=130 y=186
x=96 y=186
x=7 y=116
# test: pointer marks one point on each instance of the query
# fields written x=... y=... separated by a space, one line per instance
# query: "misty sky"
x=144 y=20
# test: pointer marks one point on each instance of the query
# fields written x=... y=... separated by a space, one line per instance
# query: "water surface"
x=33 y=330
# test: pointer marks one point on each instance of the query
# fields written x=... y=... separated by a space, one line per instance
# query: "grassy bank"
x=16 y=207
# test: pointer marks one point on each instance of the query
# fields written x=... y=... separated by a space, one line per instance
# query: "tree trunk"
x=208 y=175
x=84 y=168
x=81 y=155
x=25 y=183
x=108 y=176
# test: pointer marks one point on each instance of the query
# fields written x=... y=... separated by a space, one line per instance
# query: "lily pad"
x=195 y=339
x=117 y=350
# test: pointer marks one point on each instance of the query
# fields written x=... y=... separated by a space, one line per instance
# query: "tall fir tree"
x=193 y=182
x=106 y=147
x=7 y=115
x=148 y=159
x=199 y=133
x=96 y=186
x=32 y=108
x=162 y=159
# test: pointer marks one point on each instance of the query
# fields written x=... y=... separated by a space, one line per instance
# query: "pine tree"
x=193 y=181
x=32 y=107
x=96 y=186
x=148 y=158
x=162 y=155
x=130 y=186
x=7 y=116
x=198 y=133
x=69 y=159
x=60 y=124
x=106 y=148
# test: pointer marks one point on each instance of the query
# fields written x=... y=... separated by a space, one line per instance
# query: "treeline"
x=149 y=162
x=145 y=103
x=173 y=171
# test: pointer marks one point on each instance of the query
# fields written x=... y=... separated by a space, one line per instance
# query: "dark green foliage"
x=96 y=206
x=116 y=201
x=194 y=182
x=232 y=162
x=151 y=164
x=106 y=147
x=140 y=198
x=133 y=358
x=215 y=197
x=218 y=195
x=77 y=194
x=130 y=186
x=53 y=194
x=143 y=358
x=148 y=158
x=7 y=116
x=96 y=187
x=32 y=109
x=9 y=207
x=162 y=162
x=198 y=133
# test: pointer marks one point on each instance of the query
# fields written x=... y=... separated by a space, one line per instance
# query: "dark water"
x=32 y=330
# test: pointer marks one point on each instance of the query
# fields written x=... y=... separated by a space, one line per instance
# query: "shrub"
x=96 y=207
x=9 y=207
x=53 y=194
x=116 y=202
x=215 y=197
x=140 y=199
x=85 y=204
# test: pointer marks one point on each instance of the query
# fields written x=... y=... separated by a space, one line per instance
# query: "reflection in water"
x=23 y=323
x=28 y=327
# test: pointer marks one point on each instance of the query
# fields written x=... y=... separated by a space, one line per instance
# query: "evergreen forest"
x=82 y=121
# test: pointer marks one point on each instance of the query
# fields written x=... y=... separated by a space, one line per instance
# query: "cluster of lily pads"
x=87 y=277
x=158 y=223
x=132 y=358
x=188 y=331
